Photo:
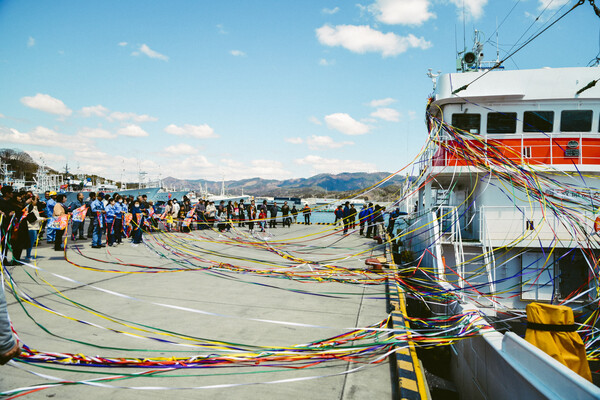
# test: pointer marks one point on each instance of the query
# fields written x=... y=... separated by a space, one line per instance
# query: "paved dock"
x=225 y=304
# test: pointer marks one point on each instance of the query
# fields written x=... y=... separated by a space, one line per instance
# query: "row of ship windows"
x=533 y=121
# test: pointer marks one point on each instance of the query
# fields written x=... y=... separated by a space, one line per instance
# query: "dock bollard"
x=552 y=329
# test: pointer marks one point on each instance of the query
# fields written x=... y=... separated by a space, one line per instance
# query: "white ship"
x=507 y=198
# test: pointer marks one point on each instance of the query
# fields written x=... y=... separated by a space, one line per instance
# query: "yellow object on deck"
x=552 y=329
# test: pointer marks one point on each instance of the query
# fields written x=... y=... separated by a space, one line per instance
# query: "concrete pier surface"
x=99 y=304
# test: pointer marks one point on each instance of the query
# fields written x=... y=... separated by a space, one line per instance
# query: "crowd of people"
x=25 y=218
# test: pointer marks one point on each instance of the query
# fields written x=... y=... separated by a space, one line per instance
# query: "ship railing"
x=488 y=257
x=536 y=149
x=525 y=225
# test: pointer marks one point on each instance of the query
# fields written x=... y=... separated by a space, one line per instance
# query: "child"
x=262 y=217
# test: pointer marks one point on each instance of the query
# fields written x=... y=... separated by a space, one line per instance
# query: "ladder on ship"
x=475 y=262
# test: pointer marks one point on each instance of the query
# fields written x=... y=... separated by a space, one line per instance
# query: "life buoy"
x=597 y=224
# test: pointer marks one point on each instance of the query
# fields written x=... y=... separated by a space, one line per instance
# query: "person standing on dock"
x=262 y=217
x=241 y=213
x=285 y=211
x=251 y=215
x=306 y=213
x=370 y=220
x=90 y=214
x=273 y=220
x=97 y=208
x=295 y=213
x=50 y=232
x=346 y=217
x=362 y=218
x=77 y=227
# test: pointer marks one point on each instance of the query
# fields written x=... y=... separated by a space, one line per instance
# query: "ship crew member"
x=97 y=207
x=77 y=225
x=50 y=232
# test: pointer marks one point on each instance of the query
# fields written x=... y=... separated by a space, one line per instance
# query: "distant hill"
x=318 y=185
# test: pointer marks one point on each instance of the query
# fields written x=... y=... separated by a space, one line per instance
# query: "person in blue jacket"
x=362 y=218
x=77 y=225
x=346 y=216
x=97 y=208
x=50 y=232
x=137 y=222
x=111 y=213
x=370 y=220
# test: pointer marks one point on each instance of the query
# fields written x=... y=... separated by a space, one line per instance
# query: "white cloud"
x=30 y=42
x=196 y=131
x=132 y=131
x=42 y=136
x=181 y=149
x=334 y=166
x=47 y=103
x=382 y=102
x=98 y=111
x=475 y=7
x=346 y=124
x=122 y=44
x=144 y=49
x=315 y=142
x=412 y=115
x=294 y=140
x=326 y=63
x=221 y=29
x=40 y=156
x=362 y=39
x=124 y=116
x=315 y=120
x=403 y=12
x=237 y=53
x=551 y=4
x=387 y=114
x=96 y=133
x=330 y=11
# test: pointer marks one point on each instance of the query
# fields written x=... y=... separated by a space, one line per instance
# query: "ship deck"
x=218 y=304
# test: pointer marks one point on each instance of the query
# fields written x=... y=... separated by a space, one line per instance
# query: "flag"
x=79 y=213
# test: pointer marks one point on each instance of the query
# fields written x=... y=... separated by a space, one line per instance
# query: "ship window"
x=467 y=122
x=537 y=277
x=576 y=121
x=502 y=122
x=538 y=121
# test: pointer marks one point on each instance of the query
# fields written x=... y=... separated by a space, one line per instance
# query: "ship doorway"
x=572 y=275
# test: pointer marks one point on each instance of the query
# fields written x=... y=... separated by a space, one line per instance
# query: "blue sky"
x=239 y=89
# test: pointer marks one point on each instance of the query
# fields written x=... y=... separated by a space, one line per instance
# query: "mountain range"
x=317 y=185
